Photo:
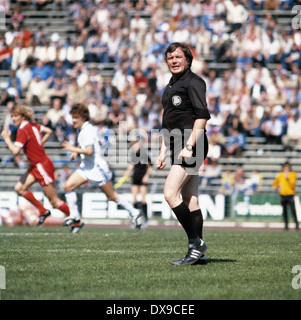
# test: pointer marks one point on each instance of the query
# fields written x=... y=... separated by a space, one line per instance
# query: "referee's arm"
x=197 y=132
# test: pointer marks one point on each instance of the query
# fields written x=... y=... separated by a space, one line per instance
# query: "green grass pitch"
x=122 y=264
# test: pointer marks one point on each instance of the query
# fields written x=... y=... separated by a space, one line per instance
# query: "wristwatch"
x=189 y=147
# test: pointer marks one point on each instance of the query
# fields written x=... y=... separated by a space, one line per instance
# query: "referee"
x=184 y=121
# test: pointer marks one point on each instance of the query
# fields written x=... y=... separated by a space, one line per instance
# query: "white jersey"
x=93 y=168
x=88 y=137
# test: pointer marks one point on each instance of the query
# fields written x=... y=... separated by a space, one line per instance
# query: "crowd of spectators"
x=257 y=94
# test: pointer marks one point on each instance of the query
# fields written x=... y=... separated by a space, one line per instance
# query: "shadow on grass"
x=220 y=260
x=200 y=262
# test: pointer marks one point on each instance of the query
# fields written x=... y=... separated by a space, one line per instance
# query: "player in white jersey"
x=93 y=169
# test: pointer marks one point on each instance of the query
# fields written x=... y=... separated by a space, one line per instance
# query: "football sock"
x=294 y=213
x=127 y=205
x=183 y=214
x=64 y=208
x=144 y=210
x=197 y=219
x=28 y=195
x=71 y=198
x=76 y=223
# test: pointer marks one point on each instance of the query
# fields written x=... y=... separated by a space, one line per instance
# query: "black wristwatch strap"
x=189 y=147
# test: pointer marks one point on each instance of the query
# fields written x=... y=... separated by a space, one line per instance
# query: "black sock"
x=144 y=209
x=183 y=214
x=197 y=219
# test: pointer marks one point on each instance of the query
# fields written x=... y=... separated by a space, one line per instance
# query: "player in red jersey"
x=31 y=138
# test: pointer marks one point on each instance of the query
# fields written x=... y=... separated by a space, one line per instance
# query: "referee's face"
x=177 y=62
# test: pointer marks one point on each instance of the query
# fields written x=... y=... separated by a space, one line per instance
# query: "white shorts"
x=97 y=176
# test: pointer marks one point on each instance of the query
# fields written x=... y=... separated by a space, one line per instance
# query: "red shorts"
x=43 y=172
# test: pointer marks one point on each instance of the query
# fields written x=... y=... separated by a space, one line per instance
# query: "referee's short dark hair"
x=184 y=47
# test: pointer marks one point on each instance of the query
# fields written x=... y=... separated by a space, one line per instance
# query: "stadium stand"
x=74 y=23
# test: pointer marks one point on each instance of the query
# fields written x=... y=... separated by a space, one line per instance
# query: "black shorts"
x=198 y=156
x=137 y=181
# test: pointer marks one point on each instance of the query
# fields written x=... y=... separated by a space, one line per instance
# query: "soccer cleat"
x=202 y=261
x=138 y=220
x=43 y=217
x=193 y=255
x=68 y=222
x=76 y=227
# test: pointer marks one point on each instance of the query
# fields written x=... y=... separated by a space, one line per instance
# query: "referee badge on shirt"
x=176 y=101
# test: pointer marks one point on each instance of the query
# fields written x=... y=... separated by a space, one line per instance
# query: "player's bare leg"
x=74 y=221
x=51 y=193
x=74 y=181
x=112 y=195
x=26 y=181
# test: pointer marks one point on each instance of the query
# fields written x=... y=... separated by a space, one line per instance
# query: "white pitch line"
x=12 y=234
x=89 y=251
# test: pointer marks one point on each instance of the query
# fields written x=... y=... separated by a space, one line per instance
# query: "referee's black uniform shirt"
x=183 y=101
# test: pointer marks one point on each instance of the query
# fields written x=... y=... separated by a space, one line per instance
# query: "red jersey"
x=30 y=139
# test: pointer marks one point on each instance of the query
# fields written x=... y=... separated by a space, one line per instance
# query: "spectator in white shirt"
x=213 y=170
x=194 y=9
x=181 y=34
x=272 y=130
x=20 y=55
x=237 y=15
x=25 y=75
x=179 y=9
x=102 y=15
x=55 y=112
x=293 y=134
x=37 y=93
x=121 y=78
x=215 y=148
x=271 y=45
x=203 y=39
x=46 y=53
x=253 y=43
x=75 y=53
x=137 y=22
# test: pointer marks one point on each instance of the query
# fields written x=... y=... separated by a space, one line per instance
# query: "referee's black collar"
x=186 y=72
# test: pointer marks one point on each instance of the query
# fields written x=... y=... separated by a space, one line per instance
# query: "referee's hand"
x=185 y=154
x=161 y=163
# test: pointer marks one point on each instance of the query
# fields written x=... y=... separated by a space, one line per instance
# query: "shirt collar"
x=182 y=76
x=85 y=125
x=23 y=124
